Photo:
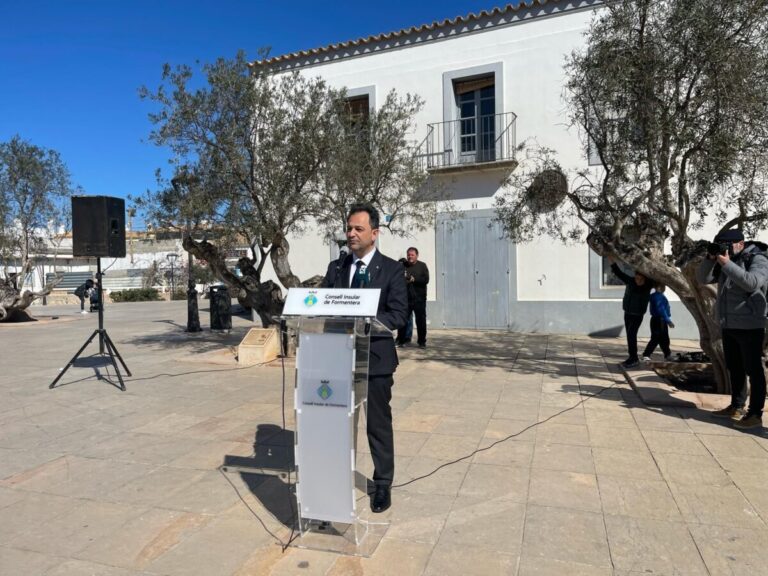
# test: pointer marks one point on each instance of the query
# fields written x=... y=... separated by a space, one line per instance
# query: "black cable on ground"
x=478 y=450
x=294 y=512
x=251 y=510
x=167 y=375
x=221 y=469
x=293 y=535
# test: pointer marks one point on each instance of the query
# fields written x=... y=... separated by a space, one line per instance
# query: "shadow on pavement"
x=268 y=474
x=175 y=338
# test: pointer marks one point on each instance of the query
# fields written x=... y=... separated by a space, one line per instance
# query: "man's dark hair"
x=373 y=214
x=414 y=249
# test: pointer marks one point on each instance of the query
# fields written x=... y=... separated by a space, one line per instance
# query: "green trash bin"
x=221 y=313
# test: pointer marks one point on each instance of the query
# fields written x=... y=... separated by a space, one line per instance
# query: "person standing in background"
x=82 y=291
x=635 y=303
x=417 y=278
x=661 y=321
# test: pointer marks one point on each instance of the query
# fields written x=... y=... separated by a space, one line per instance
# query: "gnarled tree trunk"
x=278 y=254
x=264 y=297
x=702 y=308
x=14 y=301
x=699 y=299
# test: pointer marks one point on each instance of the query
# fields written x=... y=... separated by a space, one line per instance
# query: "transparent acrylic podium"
x=330 y=395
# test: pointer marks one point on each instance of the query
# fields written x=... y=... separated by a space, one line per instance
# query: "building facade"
x=489 y=81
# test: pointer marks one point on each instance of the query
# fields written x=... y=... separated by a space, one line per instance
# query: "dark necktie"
x=358 y=279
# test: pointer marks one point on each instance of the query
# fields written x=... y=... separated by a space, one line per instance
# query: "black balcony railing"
x=469 y=141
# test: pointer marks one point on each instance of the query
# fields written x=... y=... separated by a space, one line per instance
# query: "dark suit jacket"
x=389 y=276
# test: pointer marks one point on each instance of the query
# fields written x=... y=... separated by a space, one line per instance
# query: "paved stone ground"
x=94 y=481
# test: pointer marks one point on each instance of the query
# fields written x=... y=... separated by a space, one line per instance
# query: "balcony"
x=477 y=143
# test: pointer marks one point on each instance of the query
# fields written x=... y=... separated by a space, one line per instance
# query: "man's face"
x=412 y=256
x=737 y=247
x=360 y=236
x=639 y=279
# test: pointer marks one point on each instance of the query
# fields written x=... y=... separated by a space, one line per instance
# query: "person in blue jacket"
x=661 y=322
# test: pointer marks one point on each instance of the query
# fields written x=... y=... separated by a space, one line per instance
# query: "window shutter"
x=472 y=85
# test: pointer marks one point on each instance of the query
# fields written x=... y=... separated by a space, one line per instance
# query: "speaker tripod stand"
x=105 y=342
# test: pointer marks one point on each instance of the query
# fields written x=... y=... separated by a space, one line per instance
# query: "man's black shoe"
x=422 y=345
x=382 y=499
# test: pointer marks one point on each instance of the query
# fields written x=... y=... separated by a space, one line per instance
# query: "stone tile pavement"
x=556 y=481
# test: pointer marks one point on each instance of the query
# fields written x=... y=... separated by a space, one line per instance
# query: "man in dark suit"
x=366 y=267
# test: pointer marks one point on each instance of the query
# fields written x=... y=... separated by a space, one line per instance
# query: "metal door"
x=473 y=256
x=491 y=275
x=456 y=257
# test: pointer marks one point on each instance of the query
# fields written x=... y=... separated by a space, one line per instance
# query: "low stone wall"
x=63 y=298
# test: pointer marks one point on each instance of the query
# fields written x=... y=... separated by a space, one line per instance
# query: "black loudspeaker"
x=98 y=226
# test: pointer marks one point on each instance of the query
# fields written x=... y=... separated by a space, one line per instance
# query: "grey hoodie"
x=741 y=293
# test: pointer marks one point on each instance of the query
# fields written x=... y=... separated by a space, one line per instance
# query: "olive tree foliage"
x=672 y=97
x=373 y=159
x=35 y=192
x=259 y=157
x=252 y=144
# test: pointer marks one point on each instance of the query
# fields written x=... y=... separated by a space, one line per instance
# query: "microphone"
x=343 y=253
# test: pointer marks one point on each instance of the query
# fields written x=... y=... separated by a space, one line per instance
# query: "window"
x=358 y=109
x=603 y=283
x=476 y=126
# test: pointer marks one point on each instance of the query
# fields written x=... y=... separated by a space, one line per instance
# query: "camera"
x=719 y=248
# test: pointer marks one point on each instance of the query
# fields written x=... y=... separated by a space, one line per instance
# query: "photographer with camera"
x=741 y=273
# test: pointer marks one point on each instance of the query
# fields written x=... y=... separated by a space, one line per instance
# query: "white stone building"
x=489 y=81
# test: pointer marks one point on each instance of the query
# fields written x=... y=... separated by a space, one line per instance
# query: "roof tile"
x=469 y=18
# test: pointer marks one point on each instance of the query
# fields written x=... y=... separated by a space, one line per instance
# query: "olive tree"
x=35 y=189
x=256 y=141
x=374 y=159
x=260 y=157
x=671 y=97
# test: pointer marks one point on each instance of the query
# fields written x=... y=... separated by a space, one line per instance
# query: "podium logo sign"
x=325 y=395
x=359 y=302
x=325 y=391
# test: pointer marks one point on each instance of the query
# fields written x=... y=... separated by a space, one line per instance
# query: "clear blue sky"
x=70 y=70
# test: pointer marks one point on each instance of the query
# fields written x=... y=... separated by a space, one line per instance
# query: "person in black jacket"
x=82 y=291
x=366 y=267
x=637 y=294
x=417 y=278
